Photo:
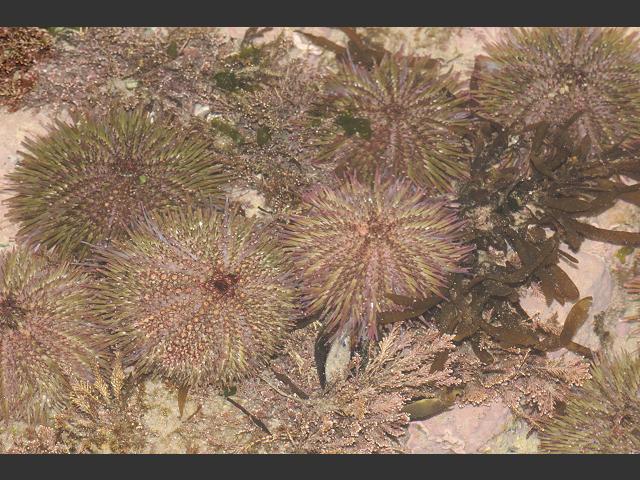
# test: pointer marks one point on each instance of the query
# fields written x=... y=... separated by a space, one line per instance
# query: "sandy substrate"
x=489 y=428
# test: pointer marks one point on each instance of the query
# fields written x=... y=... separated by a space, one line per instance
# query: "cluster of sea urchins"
x=196 y=294
x=92 y=184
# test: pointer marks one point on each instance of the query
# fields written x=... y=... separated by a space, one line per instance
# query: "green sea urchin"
x=357 y=244
x=196 y=296
x=84 y=184
x=604 y=416
x=550 y=74
x=402 y=116
x=46 y=334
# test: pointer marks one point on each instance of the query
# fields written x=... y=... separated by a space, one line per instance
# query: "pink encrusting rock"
x=459 y=430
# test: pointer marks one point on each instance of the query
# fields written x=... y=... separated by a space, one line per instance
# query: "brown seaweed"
x=359 y=48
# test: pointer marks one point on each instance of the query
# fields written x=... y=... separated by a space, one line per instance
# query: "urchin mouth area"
x=394 y=110
x=373 y=229
x=10 y=312
x=221 y=283
x=128 y=166
x=570 y=73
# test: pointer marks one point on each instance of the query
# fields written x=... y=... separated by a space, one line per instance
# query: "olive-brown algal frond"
x=196 y=296
x=550 y=74
x=46 y=334
x=404 y=117
x=603 y=416
x=357 y=244
x=508 y=210
x=84 y=184
x=359 y=48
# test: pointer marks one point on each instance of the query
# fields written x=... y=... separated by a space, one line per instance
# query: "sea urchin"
x=46 y=335
x=196 y=296
x=356 y=244
x=551 y=74
x=402 y=116
x=84 y=184
x=604 y=416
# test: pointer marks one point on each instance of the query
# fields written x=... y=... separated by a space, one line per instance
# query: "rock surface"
x=459 y=430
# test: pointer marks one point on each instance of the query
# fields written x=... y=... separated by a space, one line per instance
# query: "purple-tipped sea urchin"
x=550 y=74
x=357 y=244
x=402 y=117
x=602 y=417
x=46 y=335
x=85 y=184
x=196 y=296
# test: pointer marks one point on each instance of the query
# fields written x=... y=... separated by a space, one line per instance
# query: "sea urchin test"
x=196 y=296
x=357 y=243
